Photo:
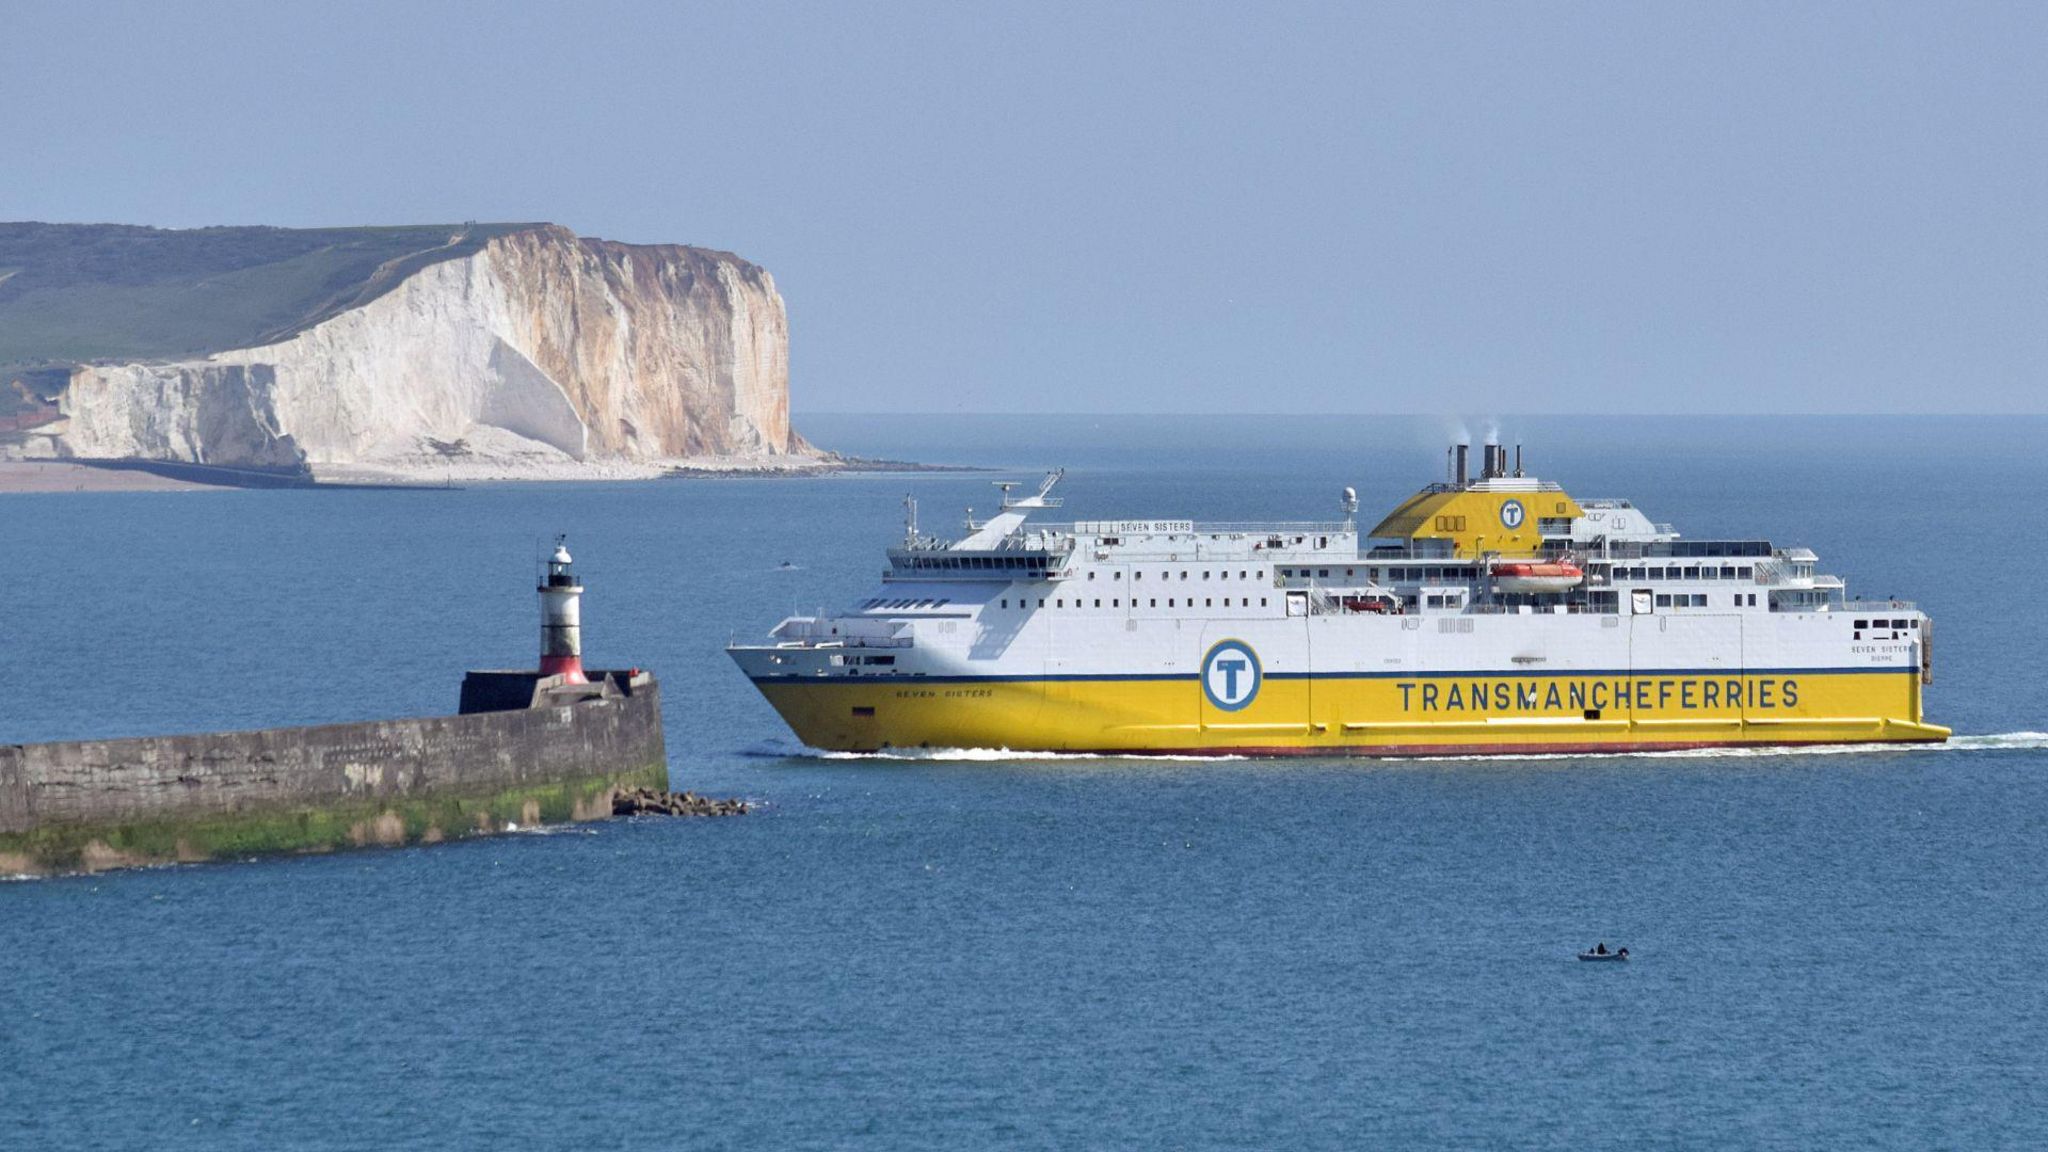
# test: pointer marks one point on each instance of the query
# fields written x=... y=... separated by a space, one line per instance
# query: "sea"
x=1843 y=948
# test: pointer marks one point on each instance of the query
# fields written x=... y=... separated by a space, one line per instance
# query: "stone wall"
x=101 y=803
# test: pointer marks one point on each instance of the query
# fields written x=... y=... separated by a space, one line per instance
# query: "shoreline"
x=55 y=476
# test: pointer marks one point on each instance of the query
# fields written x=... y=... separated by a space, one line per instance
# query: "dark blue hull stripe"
x=1193 y=678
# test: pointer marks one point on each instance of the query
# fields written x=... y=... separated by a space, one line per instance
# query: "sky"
x=1175 y=207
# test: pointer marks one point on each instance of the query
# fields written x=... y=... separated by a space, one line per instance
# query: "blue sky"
x=1715 y=208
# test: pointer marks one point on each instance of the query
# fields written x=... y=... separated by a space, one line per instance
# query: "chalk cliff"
x=510 y=348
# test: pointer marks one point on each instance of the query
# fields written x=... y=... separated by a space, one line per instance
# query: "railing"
x=1216 y=527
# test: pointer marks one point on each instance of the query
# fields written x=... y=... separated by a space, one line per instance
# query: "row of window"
x=1117 y=602
x=1220 y=574
x=1026 y=564
x=1714 y=548
x=867 y=605
x=1699 y=599
x=1417 y=572
x=1687 y=572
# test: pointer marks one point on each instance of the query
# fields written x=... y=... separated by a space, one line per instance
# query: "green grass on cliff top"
x=71 y=293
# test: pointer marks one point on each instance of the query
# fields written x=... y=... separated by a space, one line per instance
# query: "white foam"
x=1002 y=755
x=783 y=750
x=1998 y=742
x=1990 y=742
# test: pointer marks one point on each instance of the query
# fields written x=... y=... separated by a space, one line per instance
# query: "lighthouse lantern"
x=561 y=618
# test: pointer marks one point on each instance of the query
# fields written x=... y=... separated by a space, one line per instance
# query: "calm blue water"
x=1834 y=949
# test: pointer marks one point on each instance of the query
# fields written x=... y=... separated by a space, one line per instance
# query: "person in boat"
x=1601 y=950
x=1623 y=953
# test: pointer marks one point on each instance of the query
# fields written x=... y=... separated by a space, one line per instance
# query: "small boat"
x=1538 y=576
x=1618 y=954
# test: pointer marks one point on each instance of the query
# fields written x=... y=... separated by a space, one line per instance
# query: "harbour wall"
x=525 y=750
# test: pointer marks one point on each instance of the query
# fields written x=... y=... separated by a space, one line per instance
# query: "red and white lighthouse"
x=561 y=618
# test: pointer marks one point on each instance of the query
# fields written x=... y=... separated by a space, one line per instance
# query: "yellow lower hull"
x=1370 y=716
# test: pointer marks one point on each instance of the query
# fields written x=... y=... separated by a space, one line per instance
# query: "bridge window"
x=1663 y=599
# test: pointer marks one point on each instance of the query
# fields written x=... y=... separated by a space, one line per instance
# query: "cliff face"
x=530 y=344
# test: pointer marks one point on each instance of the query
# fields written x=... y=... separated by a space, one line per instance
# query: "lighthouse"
x=561 y=618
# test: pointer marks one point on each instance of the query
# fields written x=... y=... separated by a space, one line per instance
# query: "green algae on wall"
x=91 y=805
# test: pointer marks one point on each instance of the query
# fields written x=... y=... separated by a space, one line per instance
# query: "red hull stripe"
x=1397 y=751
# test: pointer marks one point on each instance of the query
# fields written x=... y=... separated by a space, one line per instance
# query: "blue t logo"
x=1231 y=675
x=1230 y=669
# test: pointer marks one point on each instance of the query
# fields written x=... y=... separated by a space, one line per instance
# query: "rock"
x=648 y=802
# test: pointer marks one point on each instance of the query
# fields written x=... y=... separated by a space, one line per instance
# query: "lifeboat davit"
x=1538 y=576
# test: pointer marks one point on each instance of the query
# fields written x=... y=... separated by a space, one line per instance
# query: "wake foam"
x=1984 y=742
x=790 y=750
x=1999 y=742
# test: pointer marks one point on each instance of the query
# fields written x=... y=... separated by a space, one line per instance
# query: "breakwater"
x=525 y=749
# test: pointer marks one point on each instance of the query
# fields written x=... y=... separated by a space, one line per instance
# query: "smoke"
x=1458 y=431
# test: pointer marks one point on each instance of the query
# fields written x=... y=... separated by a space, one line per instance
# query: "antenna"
x=1039 y=499
x=909 y=523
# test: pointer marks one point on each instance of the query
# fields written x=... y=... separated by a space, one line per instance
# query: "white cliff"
x=526 y=353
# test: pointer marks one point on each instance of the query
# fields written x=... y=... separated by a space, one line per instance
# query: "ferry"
x=1485 y=615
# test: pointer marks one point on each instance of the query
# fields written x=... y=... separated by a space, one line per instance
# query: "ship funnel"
x=1518 y=461
x=1460 y=452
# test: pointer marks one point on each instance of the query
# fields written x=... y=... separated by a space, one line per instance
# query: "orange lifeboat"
x=1537 y=576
